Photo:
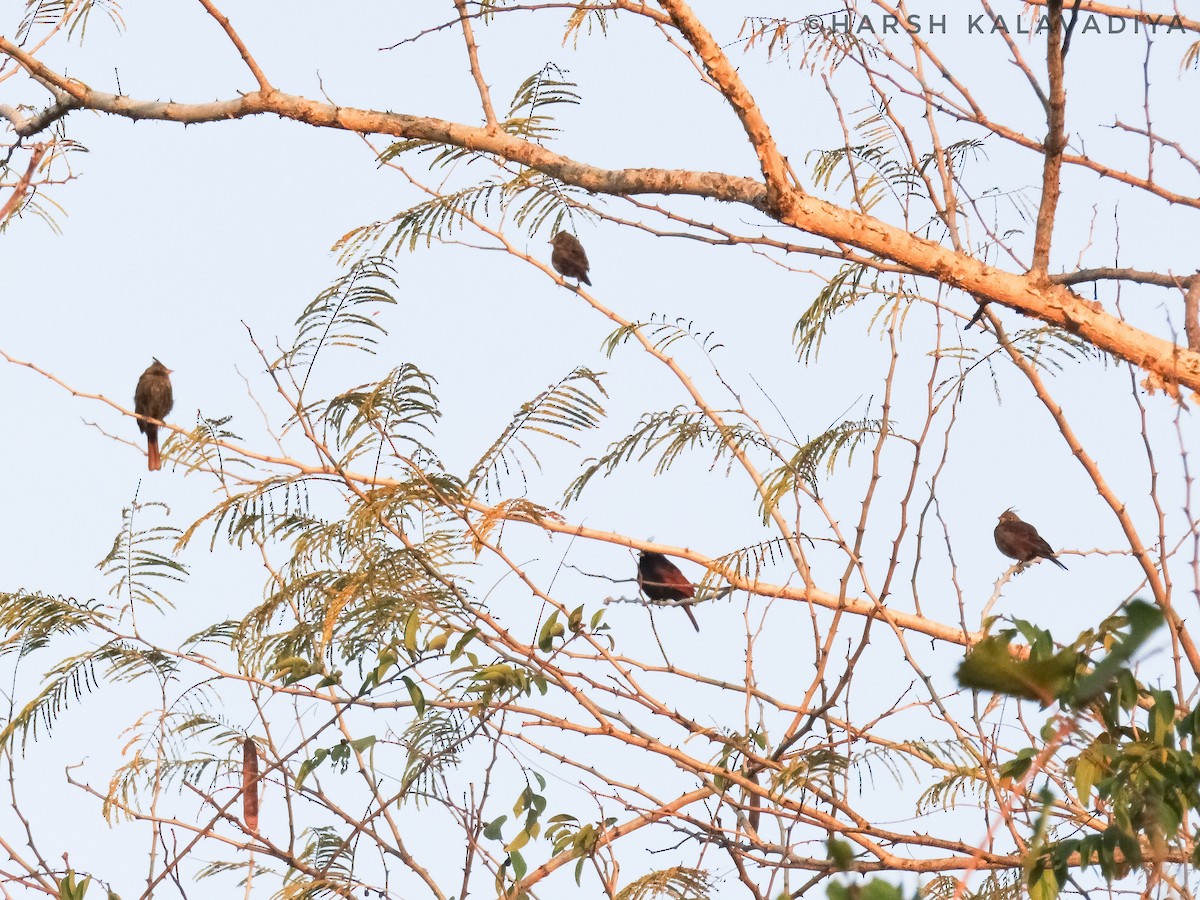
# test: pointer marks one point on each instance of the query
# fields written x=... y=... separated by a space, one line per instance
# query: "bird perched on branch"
x=568 y=257
x=1020 y=541
x=153 y=398
x=660 y=579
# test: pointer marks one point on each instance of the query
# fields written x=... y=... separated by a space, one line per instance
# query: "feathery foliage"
x=342 y=315
x=669 y=435
x=384 y=417
x=841 y=292
x=805 y=464
x=676 y=883
x=527 y=117
x=571 y=404
x=136 y=563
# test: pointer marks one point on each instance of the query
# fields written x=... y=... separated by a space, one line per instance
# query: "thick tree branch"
x=485 y=96
x=1055 y=143
x=1158 y=279
x=235 y=39
x=1051 y=303
x=1157 y=20
x=26 y=126
x=725 y=76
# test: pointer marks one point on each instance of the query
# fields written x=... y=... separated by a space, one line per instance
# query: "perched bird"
x=660 y=579
x=1020 y=540
x=568 y=257
x=978 y=314
x=153 y=398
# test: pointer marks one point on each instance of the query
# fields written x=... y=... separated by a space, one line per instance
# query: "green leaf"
x=308 y=765
x=410 y=632
x=518 y=842
x=331 y=679
x=1162 y=718
x=414 y=694
x=519 y=866
x=841 y=854
x=989 y=666
x=462 y=644
x=1088 y=849
x=878 y=889
x=875 y=889
x=1144 y=619
x=492 y=830
x=1087 y=770
x=549 y=633
x=1016 y=767
x=1043 y=885
x=69 y=889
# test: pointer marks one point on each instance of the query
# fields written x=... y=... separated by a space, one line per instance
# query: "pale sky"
x=170 y=238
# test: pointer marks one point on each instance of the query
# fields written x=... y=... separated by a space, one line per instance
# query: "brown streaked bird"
x=1020 y=541
x=153 y=398
x=568 y=257
x=660 y=579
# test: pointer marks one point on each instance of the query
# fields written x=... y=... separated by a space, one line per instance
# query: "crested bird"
x=660 y=579
x=568 y=257
x=153 y=398
x=1020 y=541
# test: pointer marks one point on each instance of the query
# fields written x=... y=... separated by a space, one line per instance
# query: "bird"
x=983 y=305
x=153 y=398
x=568 y=257
x=660 y=579
x=1020 y=541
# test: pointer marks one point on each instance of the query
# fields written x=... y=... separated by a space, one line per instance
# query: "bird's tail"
x=688 y=609
x=1054 y=559
x=155 y=461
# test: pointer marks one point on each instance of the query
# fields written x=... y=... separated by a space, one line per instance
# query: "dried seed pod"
x=250 y=784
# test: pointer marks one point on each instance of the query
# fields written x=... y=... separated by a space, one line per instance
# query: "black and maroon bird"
x=153 y=398
x=568 y=257
x=1020 y=541
x=660 y=579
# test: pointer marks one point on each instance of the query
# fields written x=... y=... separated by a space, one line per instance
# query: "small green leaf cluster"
x=530 y=804
x=1140 y=773
x=338 y=755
